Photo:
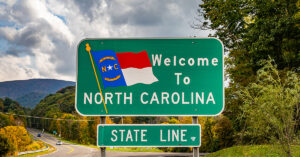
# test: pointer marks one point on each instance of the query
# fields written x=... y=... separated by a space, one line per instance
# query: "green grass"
x=255 y=151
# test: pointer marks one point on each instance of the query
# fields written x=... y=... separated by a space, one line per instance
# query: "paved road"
x=72 y=150
x=66 y=149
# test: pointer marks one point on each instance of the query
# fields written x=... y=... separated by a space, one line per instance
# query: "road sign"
x=183 y=135
x=150 y=77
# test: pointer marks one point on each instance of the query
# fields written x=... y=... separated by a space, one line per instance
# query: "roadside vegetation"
x=255 y=151
x=261 y=40
x=50 y=150
x=13 y=135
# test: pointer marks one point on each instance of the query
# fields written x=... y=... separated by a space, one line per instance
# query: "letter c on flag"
x=115 y=66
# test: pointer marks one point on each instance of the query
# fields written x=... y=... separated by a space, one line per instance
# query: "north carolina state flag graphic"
x=124 y=69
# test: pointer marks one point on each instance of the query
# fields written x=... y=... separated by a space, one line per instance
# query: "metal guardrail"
x=33 y=151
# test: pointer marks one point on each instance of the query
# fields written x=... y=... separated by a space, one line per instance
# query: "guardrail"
x=33 y=151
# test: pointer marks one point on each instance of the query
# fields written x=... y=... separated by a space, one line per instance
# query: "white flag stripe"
x=133 y=76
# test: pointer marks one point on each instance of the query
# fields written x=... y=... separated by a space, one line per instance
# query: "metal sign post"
x=102 y=149
x=195 y=149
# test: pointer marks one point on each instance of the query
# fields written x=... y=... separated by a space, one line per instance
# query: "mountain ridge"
x=30 y=92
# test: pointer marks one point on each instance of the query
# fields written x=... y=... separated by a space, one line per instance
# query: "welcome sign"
x=150 y=77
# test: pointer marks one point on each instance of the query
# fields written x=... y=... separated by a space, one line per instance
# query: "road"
x=66 y=149
x=73 y=150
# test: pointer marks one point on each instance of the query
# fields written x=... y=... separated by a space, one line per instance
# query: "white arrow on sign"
x=193 y=138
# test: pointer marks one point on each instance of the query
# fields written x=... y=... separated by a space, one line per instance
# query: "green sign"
x=184 y=135
x=150 y=77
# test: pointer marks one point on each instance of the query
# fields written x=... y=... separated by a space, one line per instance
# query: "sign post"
x=195 y=149
x=102 y=149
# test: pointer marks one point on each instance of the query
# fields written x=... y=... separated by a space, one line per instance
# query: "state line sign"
x=145 y=135
x=150 y=77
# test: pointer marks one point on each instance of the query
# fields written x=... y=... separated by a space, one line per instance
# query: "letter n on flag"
x=124 y=69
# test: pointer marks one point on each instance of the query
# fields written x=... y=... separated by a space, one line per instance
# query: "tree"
x=127 y=120
x=1 y=105
x=75 y=132
x=271 y=105
x=223 y=131
x=17 y=136
x=173 y=120
x=108 y=120
x=252 y=30
x=83 y=132
x=186 y=120
x=4 y=120
x=5 y=146
x=208 y=142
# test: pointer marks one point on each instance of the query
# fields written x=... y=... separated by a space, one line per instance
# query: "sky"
x=39 y=38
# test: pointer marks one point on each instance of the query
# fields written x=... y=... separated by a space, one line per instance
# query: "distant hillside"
x=61 y=102
x=30 y=92
x=9 y=105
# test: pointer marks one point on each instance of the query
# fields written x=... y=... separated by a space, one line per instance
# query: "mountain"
x=30 y=92
x=53 y=104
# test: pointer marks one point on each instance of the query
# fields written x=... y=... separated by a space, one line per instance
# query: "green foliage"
x=75 y=130
x=254 y=151
x=31 y=99
x=173 y=120
x=12 y=106
x=6 y=147
x=61 y=106
x=56 y=104
x=252 y=30
x=141 y=120
x=4 y=120
x=224 y=132
x=271 y=106
x=1 y=105
x=208 y=142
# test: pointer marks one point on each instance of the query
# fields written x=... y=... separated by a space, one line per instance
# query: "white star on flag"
x=109 y=67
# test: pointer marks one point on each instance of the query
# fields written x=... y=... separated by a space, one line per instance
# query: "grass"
x=255 y=151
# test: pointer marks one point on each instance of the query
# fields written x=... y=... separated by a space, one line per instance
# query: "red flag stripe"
x=134 y=60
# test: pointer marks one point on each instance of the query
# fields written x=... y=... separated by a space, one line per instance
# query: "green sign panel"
x=150 y=77
x=184 y=135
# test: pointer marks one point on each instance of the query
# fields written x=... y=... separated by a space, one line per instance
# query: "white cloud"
x=17 y=68
x=43 y=39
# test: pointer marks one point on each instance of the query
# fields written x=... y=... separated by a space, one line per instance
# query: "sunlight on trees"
x=271 y=106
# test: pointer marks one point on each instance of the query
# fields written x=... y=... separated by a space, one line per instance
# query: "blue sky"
x=38 y=38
